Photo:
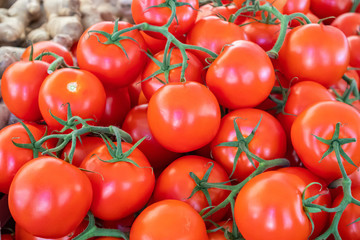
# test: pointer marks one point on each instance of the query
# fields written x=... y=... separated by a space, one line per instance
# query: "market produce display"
x=179 y=119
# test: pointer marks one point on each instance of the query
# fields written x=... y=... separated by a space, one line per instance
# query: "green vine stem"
x=355 y=5
x=58 y=62
x=335 y=144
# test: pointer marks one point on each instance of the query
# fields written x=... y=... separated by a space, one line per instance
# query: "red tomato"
x=49 y=46
x=278 y=4
x=136 y=124
x=118 y=184
x=326 y=8
x=83 y=148
x=348 y=23
x=314 y=52
x=213 y=33
x=159 y=16
x=220 y=234
x=175 y=183
x=123 y=224
x=81 y=89
x=314 y=19
x=12 y=158
x=192 y=72
x=347 y=229
x=354 y=44
x=155 y=45
x=168 y=219
x=269 y=141
x=117 y=105
x=264 y=35
x=225 y=11
x=312 y=122
x=108 y=61
x=342 y=85
x=20 y=85
x=269 y=206
x=237 y=83
x=6 y=237
x=183 y=116
x=293 y=6
x=41 y=204
x=321 y=218
x=134 y=92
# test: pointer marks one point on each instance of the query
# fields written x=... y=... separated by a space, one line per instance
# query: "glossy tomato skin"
x=310 y=150
x=136 y=124
x=48 y=46
x=12 y=158
x=320 y=219
x=237 y=83
x=186 y=16
x=306 y=55
x=348 y=23
x=183 y=116
x=168 y=219
x=175 y=183
x=20 y=85
x=81 y=89
x=269 y=141
x=225 y=11
x=262 y=213
x=213 y=33
x=108 y=61
x=62 y=192
x=354 y=43
x=293 y=6
x=278 y=4
x=325 y=8
x=192 y=72
x=118 y=184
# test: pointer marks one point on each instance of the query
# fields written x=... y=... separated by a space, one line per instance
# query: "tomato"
x=6 y=237
x=354 y=43
x=154 y=45
x=314 y=19
x=278 y=4
x=220 y=234
x=53 y=205
x=83 y=148
x=136 y=124
x=225 y=11
x=265 y=35
x=183 y=116
x=326 y=8
x=310 y=150
x=192 y=72
x=237 y=83
x=293 y=6
x=314 y=52
x=142 y=11
x=302 y=96
x=175 y=183
x=348 y=23
x=269 y=206
x=269 y=141
x=123 y=224
x=118 y=184
x=117 y=105
x=49 y=46
x=321 y=218
x=168 y=219
x=81 y=89
x=347 y=229
x=20 y=85
x=213 y=33
x=108 y=61
x=342 y=85
x=12 y=158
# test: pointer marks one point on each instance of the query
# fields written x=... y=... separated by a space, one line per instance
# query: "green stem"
x=355 y=5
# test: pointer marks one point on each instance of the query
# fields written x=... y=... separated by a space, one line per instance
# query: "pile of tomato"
x=222 y=120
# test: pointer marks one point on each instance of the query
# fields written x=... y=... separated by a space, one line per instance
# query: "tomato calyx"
x=57 y=63
x=93 y=231
x=351 y=90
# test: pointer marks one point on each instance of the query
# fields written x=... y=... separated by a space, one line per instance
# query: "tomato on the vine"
x=348 y=23
x=326 y=8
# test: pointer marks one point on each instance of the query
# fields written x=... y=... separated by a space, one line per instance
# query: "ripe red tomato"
x=220 y=234
x=293 y=6
x=314 y=52
x=20 y=85
x=49 y=197
x=154 y=45
x=6 y=237
x=108 y=61
x=192 y=72
x=310 y=150
x=49 y=46
x=326 y=8
x=278 y=4
x=118 y=184
x=269 y=206
x=136 y=124
x=237 y=83
x=175 y=183
x=224 y=11
x=169 y=219
x=348 y=23
x=12 y=157
x=159 y=16
x=269 y=141
x=314 y=19
x=354 y=44
x=213 y=33
x=81 y=89
x=183 y=116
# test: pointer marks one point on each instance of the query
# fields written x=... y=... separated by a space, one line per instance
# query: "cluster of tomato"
x=219 y=128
